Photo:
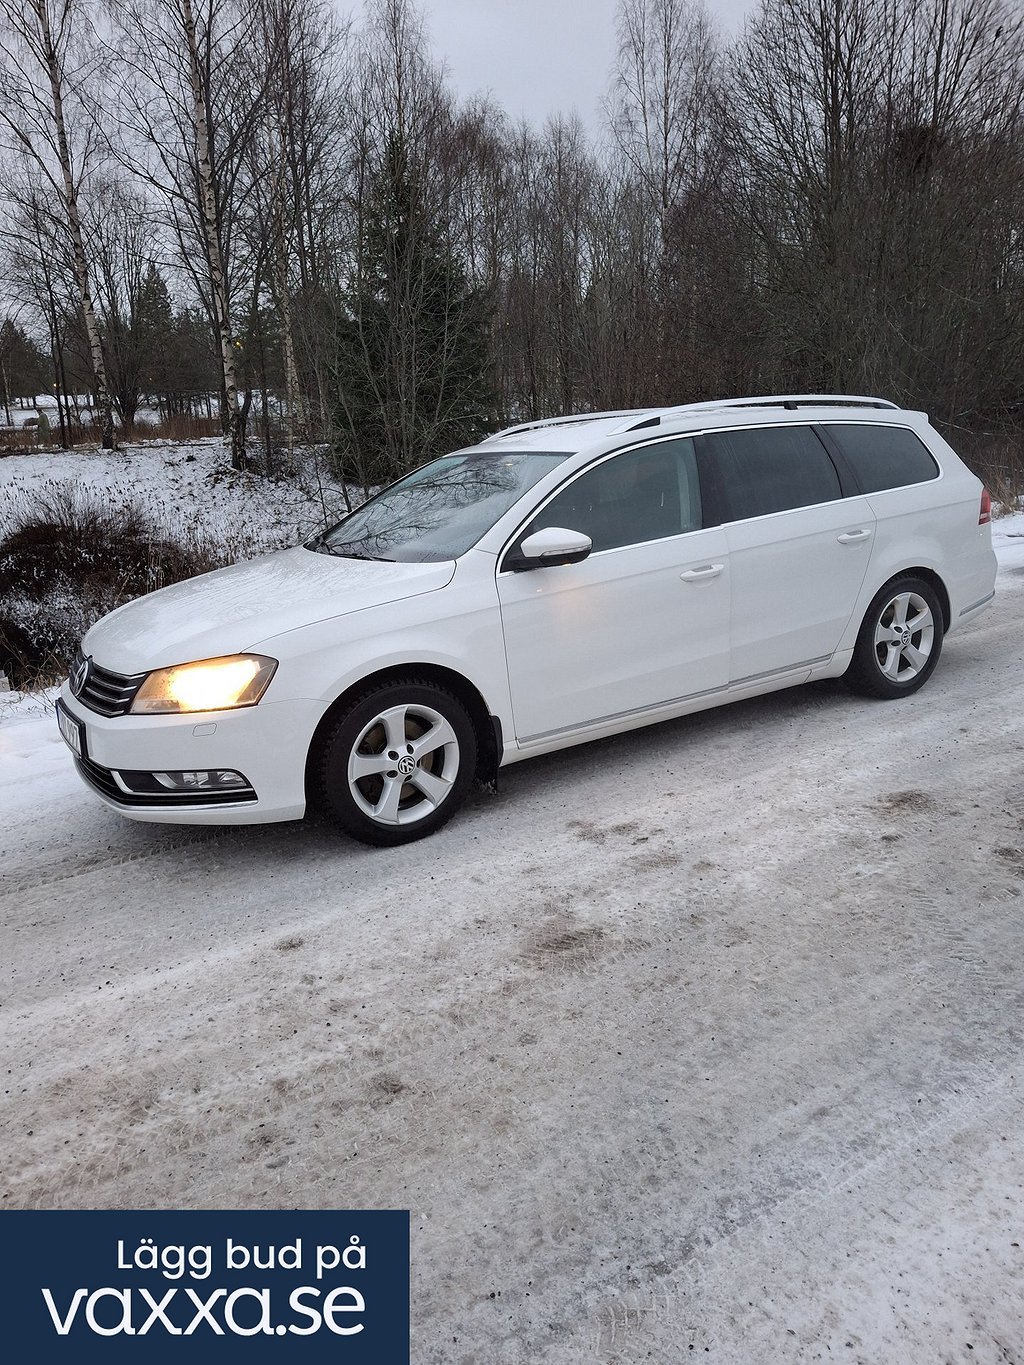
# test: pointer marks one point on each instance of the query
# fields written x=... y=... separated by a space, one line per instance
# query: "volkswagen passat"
x=561 y=581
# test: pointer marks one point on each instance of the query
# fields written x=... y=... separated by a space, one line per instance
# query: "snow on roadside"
x=1008 y=542
x=34 y=767
x=188 y=491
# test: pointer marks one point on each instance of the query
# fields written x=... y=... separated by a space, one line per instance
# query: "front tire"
x=398 y=764
x=900 y=640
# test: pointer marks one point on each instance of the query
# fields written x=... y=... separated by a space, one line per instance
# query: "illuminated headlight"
x=208 y=685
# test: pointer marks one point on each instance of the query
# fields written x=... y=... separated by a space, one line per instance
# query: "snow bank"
x=188 y=491
x=35 y=774
x=1008 y=541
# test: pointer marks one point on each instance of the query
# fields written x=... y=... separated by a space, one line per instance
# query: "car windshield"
x=439 y=511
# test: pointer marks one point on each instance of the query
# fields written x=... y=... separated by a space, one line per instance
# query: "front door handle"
x=696 y=575
x=853 y=537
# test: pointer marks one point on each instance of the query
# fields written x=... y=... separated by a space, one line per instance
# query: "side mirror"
x=553 y=545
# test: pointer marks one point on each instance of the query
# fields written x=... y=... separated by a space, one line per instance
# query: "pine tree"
x=25 y=370
x=414 y=368
x=155 y=323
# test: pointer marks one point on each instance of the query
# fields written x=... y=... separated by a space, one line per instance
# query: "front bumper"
x=268 y=743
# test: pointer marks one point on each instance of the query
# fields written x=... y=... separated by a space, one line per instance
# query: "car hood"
x=229 y=610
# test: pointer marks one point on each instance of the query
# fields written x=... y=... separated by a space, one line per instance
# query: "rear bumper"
x=973 y=608
x=268 y=743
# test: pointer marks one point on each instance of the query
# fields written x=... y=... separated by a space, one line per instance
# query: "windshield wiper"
x=354 y=554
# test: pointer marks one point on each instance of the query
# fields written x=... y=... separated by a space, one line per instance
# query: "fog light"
x=203 y=779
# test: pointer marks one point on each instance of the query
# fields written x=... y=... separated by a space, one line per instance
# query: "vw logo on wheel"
x=407 y=765
x=79 y=673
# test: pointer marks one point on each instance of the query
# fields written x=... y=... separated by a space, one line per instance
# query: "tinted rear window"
x=771 y=469
x=883 y=457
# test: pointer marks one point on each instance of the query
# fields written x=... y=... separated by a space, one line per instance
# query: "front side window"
x=883 y=457
x=438 y=512
x=772 y=469
x=640 y=495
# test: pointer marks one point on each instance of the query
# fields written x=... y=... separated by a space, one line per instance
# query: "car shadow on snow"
x=704 y=741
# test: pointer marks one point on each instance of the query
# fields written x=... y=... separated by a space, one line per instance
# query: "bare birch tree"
x=298 y=181
x=122 y=232
x=662 y=109
x=664 y=118
x=188 y=107
x=37 y=267
x=48 y=60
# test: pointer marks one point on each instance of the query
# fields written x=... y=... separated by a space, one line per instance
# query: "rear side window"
x=771 y=469
x=883 y=457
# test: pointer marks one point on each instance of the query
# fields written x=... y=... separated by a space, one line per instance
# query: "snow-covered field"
x=188 y=491
x=706 y=1039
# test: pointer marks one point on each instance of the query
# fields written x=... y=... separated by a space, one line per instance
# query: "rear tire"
x=899 y=642
x=398 y=764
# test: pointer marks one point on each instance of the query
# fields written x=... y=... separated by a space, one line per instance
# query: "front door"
x=642 y=622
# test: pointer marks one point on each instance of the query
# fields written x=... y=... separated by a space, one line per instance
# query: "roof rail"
x=564 y=421
x=652 y=416
x=791 y=401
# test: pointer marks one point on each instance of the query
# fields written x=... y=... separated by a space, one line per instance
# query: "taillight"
x=985 y=514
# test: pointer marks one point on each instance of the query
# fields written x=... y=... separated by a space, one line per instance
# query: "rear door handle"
x=853 y=537
x=708 y=571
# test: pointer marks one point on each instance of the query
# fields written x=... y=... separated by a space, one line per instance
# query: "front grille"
x=147 y=791
x=109 y=694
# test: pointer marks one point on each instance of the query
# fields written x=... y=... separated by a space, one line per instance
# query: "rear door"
x=798 y=548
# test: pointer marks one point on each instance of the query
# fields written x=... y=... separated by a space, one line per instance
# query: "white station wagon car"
x=561 y=581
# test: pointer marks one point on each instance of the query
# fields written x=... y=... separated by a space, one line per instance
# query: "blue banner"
x=213 y=1286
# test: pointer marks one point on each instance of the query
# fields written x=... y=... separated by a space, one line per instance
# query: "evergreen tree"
x=413 y=376
x=192 y=373
x=25 y=369
x=177 y=366
x=155 y=329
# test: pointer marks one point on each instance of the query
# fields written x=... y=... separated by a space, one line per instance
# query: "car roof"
x=573 y=432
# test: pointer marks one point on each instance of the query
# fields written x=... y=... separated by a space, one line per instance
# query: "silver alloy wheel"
x=403 y=764
x=904 y=637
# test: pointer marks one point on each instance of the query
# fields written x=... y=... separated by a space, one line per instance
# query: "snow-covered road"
x=703 y=1038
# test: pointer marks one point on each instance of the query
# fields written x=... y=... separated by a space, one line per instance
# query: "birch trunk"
x=55 y=74
x=293 y=392
x=210 y=218
x=293 y=395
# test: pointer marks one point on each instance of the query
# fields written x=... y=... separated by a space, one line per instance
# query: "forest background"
x=253 y=217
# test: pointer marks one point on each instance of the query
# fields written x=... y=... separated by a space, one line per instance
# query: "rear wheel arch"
x=935 y=583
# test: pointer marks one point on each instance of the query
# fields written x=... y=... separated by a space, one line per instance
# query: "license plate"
x=72 y=730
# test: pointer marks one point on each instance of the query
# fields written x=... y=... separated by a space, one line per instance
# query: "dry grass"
x=176 y=428
x=997 y=458
x=26 y=440
x=68 y=557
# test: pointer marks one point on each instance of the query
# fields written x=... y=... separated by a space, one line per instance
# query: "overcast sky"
x=537 y=57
